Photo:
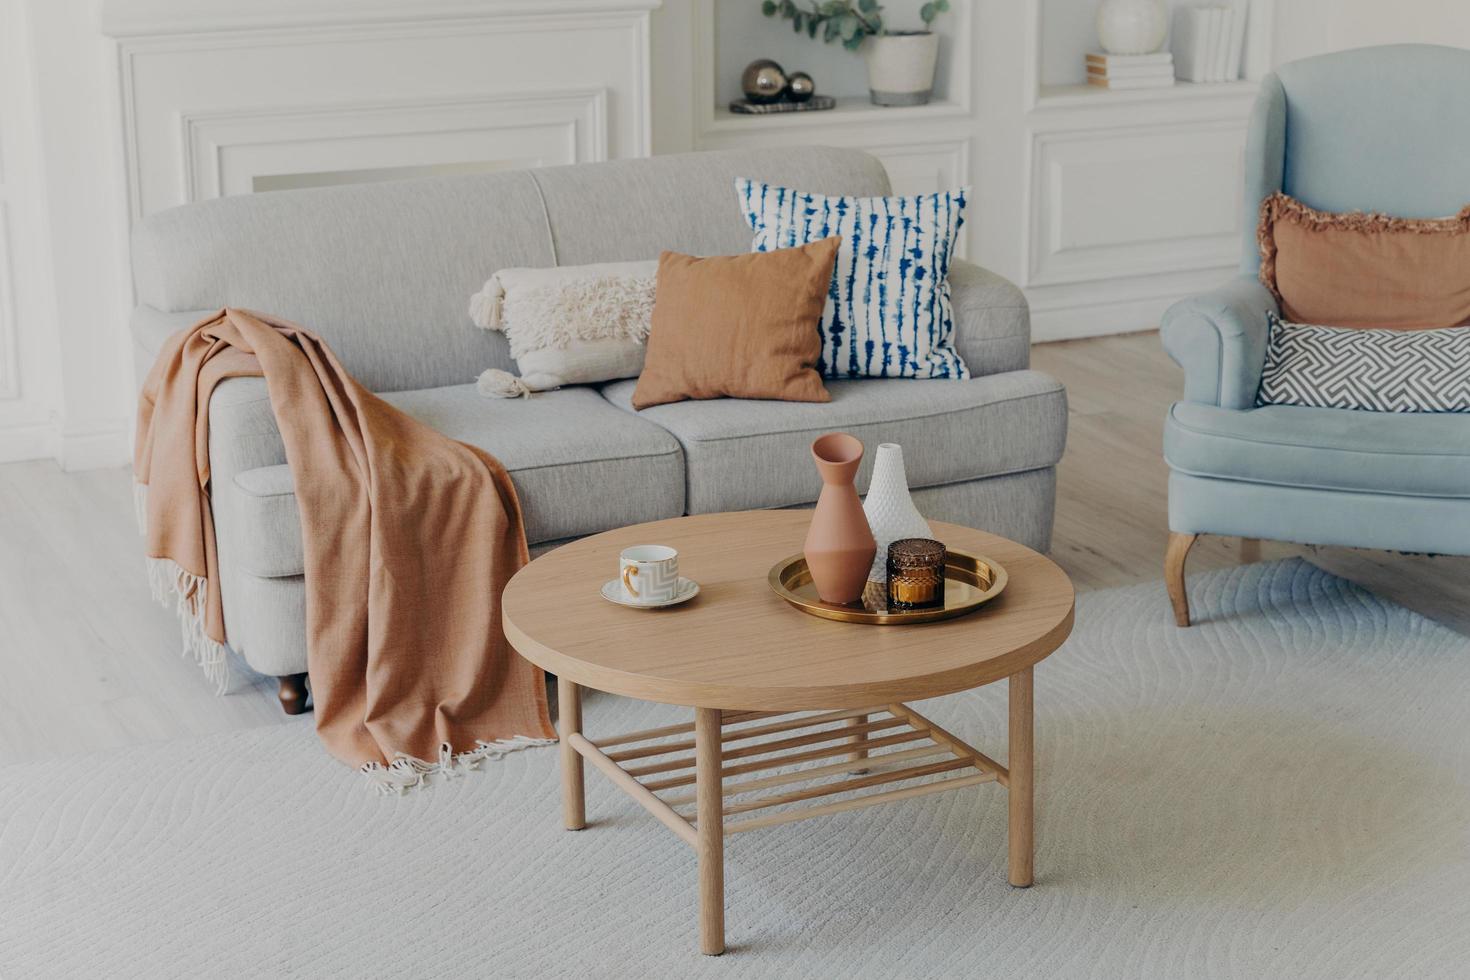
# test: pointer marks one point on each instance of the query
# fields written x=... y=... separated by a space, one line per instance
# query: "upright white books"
x=1233 y=66
x=1208 y=41
x=1189 y=43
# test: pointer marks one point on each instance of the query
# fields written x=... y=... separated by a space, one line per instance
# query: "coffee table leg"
x=710 y=822
x=1022 y=776
x=569 y=710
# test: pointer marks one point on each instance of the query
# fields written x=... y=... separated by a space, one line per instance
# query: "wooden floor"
x=88 y=661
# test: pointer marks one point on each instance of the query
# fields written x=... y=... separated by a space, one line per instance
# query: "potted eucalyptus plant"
x=900 y=63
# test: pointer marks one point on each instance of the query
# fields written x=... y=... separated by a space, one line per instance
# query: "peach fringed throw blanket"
x=410 y=538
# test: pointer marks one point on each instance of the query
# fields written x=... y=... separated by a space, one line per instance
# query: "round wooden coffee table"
x=773 y=687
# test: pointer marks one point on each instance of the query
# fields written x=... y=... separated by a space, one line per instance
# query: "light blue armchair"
x=1375 y=129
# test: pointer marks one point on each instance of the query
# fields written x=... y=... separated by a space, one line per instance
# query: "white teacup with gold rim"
x=649 y=574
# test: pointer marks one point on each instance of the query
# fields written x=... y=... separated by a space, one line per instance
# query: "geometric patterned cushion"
x=1366 y=369
x=888 y=312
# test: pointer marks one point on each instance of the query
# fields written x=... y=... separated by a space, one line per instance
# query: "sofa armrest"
x=1219 y=339
x=992 y=320
x=242 y=430
x=150 y=329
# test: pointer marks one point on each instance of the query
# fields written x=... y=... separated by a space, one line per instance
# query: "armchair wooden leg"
x=293 y=693
x=1250 y=551
x=1178 y=551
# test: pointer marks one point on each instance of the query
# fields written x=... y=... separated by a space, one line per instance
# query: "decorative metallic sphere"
x=763 y=81
x=800 y=87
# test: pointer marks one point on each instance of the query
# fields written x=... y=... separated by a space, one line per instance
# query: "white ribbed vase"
x=890 y=510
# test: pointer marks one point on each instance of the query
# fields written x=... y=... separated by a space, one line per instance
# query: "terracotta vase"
x=839 y=545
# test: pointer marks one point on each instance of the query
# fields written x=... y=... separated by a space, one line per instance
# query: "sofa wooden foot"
x=1250 y=551
x=293 y=693
x=1178 y=551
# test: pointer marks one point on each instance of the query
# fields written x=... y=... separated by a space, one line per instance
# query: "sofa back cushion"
x=384 y=271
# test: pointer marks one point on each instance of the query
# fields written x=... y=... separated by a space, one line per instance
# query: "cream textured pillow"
x=567 y=324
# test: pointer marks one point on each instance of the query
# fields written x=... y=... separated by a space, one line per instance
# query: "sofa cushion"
x=1322 y=448
x=579 y=466
x=1365 y=270
x=738 y=326
x=749 y=454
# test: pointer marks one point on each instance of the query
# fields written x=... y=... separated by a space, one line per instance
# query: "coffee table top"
x=738 y=645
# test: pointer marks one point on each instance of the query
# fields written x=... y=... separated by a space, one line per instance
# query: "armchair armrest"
x=1219 y=339
x=992 y=323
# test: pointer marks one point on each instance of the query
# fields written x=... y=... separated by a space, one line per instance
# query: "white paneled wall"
x=1308 y=27
x=1104 y=206
x=131 y=106
x=416 y=86
x=67 y=237
x=27 y=387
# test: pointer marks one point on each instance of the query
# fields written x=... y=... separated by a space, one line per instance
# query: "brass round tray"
x=970 y=581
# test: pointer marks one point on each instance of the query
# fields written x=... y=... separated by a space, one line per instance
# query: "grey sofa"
x=384 y=273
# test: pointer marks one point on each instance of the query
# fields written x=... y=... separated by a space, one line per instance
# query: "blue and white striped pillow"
x=888 y=313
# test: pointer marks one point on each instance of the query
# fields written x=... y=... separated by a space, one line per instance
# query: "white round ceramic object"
x=890 y=509
x=1132 y=26
x=613 y=592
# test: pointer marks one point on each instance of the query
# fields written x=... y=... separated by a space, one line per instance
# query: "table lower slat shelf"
x=859 y=737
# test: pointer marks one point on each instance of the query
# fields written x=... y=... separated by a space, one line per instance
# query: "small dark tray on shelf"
x=815 y=104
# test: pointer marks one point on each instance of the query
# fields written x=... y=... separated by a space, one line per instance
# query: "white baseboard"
x=1103 y=320
x=1097 y=309
x=91 y=449
x=35 y=440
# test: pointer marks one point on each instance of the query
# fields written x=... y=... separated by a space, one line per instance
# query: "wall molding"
x=30 y=440
x=143 y=33
x=94 y=448
x=135 y=18
x=205 y=137
x=9 y=346
x=1121 y=305
x=1051 y=260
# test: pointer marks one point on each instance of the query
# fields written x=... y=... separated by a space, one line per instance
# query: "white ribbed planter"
x=889 y=508
x=901 y=67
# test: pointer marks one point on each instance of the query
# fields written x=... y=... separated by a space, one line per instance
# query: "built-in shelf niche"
x=1066 y=32
x=733 y=33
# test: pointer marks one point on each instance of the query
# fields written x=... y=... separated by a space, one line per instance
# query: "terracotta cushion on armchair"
x=1365 y=269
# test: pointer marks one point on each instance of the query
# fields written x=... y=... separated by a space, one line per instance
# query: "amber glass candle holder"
x=915 y=574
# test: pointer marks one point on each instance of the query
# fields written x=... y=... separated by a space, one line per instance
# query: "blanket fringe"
x=405 y=772
x=172 y=585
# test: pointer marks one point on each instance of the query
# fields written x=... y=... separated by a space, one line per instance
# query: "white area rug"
x=1283 y=790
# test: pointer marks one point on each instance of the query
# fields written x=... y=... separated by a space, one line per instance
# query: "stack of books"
x=1131 y=70
x=1208 y=41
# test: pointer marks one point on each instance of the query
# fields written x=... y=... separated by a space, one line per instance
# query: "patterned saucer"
x=688 y=589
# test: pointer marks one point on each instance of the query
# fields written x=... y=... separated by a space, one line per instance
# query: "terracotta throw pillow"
x=738 y=326
x=1365 y=270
